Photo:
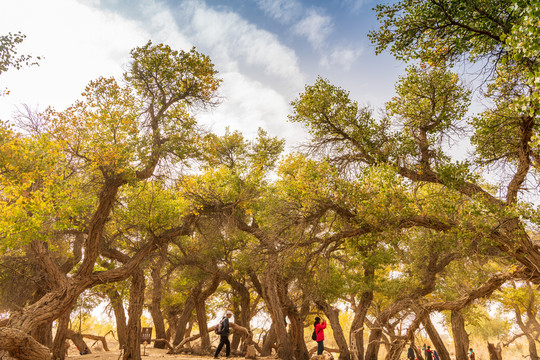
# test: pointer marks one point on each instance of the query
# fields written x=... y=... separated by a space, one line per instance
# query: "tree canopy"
x=123 y=193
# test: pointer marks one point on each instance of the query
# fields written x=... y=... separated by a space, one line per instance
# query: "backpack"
x=314 y=335
x=219 y=327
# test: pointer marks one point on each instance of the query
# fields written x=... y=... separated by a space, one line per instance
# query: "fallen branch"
x=167 y=343
x=314 y=349
x=97 y=338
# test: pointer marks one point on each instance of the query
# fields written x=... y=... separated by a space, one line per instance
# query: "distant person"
x=435 y=355
x=424 y=350
x=224 y=336
x=471 y=354
x=319 y=333
x=429 y=353
x=410 y=353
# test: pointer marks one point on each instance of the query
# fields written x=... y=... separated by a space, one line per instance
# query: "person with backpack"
x=222 y=328
x=318 y=334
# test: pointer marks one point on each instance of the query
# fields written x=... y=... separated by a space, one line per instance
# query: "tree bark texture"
x=495 y=352
x=296 y=332
x=356 y=335
x=43 y=334
x=460 y=336
x=22 y=346
x=269 y=341
x=235 y=304
x=395 y=349
x=242 y=307
x=98 y=338
x=533 y=353
x=120 y=317
x=376 y=331
x=333 y=316
x=78 y=340
x=200 y=308
x=59 y=344
x=269 y=282
x=186 y=313
x=435 y=338
x=155 y=306
x=527 y=328
x=135 y=309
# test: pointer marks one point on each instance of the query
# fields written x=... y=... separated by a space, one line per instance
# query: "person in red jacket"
x=319 y=327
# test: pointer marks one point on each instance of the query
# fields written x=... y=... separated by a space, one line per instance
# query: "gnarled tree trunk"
x=59 y=344
x=269 y=341
x=495 y=352
x=22 y=346
x=242 y=308
x=78 y=340
x=200 y=308
x=460 y=336
x=120 y=316
x=155 y=306
x=395 y=349
x=333 y=316
x=297 y=332
x=271 y=297
x=356 y=335
x=135 y=309
x=527 y=329
x=372 y=351
x=435 y=338
x=43 y=334
x=189 y=305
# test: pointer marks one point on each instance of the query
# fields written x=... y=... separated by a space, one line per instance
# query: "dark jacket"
x=225 y=331
x=410 y=353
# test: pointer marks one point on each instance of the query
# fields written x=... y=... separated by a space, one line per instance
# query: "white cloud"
x=233 y=42
x=342 y=57
x=315 y=27
x=286 y=11
x=311 y=24
x=82 y=41
x=357 y=5
x=161 y=24
x=248 y=105
x=77 y=43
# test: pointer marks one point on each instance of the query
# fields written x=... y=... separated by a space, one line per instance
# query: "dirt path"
x=151 y=353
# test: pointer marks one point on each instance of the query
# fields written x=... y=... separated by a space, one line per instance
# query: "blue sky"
x=265 y=50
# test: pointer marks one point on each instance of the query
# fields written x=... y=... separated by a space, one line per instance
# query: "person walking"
x=224 y=336
x=319 y=332
x=410 y=353
x=471 y=354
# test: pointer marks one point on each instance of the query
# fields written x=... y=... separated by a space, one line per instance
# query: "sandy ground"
x=151 y=353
